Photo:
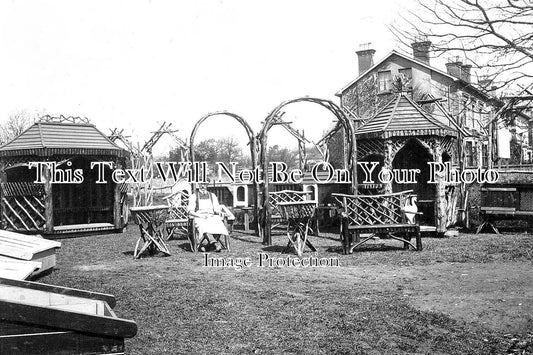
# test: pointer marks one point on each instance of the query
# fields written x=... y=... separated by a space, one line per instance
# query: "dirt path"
x=499 y=296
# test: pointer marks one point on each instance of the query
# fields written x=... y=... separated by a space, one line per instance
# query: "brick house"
x=462 y=101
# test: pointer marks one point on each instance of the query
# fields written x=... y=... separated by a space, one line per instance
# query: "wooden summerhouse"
x=404 y=136
x=52 y=206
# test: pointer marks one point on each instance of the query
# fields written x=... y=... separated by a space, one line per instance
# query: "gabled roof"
x=390 y=54
x=55 y=136
x=402 y=117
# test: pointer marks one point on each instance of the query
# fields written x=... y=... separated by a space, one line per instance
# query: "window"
x=407 y=74
x=485 y=154
x=384 y=81
x=470 y=154
x=473 y=124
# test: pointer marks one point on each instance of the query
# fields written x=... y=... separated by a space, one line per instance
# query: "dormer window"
x=384 y=81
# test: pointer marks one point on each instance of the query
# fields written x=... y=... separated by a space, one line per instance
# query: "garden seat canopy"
x=401 y=117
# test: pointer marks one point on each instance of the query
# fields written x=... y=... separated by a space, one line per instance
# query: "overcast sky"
x=132 y=64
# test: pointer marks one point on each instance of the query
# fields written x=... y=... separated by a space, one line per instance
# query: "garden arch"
x=251 y=141
x=272 y=119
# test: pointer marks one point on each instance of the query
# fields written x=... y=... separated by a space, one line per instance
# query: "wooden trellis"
x=24 y=206
x=252 y=142
x=272 y=119
x=142 y=157
x=300 y=137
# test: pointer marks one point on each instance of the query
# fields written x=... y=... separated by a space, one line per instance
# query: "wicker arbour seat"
x=378 y=215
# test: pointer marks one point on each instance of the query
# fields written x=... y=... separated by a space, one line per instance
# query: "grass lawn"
x=460 y=295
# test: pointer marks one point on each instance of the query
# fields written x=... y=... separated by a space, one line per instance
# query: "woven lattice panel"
x=23 y=213
x=178 y=212
x=367 y=147
x=370 y=210
x=149 y=215
x=285 y=196
x=22 y=189
x=526 y=200
x=297 y=210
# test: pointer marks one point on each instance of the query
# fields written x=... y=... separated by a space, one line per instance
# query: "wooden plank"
x=494 y=209
x=17 y=269
x=59 y=342
x=504 y=189
x=23 y=246
x=74 y=227
x=109 y=299
x=371 y=196
x=381 y=226
x=524 y=213
x=67 y=320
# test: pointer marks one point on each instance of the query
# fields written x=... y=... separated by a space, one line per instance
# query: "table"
x=298 y=216
x=151 y=221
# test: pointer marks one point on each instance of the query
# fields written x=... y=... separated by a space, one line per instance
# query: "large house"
x=449 y=95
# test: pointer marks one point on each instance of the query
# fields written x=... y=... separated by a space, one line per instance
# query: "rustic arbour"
x=272 y=119
x=404 y=136
x=61 y=207
x=252 y=142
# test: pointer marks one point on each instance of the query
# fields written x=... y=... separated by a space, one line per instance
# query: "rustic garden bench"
x=377 y=214
x=509 y=201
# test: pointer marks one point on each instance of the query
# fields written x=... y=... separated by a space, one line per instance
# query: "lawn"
x=469 y=294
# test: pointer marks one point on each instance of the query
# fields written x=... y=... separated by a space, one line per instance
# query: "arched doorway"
x=413 y=155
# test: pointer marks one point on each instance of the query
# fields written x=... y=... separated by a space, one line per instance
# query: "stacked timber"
x=24 y=256
x=37 y=318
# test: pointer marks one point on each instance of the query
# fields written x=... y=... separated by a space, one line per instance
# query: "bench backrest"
x=287 y=196
x=179 y=206
x=375 y=209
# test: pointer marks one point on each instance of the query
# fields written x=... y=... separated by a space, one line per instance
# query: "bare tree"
x=494 y=36
x=15 y=125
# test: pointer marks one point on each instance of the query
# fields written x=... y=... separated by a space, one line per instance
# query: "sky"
x=135 y=64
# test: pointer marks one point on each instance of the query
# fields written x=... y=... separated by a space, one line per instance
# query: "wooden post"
x=387 y=164
x=490 y=155
x=117 y=208
x=253 y=151
x=440 y=195
x=265 y=212
x=3 y=179
x=48 y=201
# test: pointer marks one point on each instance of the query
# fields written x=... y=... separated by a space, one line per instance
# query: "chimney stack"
x=421 y=50
x=365 y=56
x=484 y=82
x=465 y=72
x=453 y=67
